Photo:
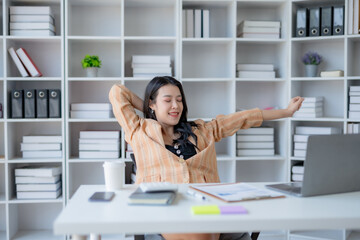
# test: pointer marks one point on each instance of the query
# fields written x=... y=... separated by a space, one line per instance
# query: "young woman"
x=167 y=146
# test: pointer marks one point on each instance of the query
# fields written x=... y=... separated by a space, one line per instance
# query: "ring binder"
x=42 y=103
x=314 y=22
x=54 y=103
x=301 y=22
x=17 y=103
x=326 y=21
x=29 y=103
x=338 y=26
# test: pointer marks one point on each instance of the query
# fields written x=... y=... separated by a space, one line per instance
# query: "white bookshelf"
x=113 y=30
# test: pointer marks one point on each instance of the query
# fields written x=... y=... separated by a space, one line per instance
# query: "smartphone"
x=102 y=197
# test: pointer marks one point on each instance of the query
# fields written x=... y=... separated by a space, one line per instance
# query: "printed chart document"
x=236 y=192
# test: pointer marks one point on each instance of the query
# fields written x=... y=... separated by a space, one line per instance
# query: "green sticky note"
x=205 y=209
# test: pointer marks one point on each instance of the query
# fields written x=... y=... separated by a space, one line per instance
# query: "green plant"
x=91 y=61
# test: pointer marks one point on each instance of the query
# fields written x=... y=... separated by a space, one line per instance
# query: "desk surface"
x=336 y=211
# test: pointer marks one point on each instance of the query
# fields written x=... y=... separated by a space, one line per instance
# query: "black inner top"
x=183 y=152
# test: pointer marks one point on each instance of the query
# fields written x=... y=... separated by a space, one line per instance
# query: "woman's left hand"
x=294 y=105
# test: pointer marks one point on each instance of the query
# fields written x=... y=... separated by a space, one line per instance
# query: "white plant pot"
x=92 y=71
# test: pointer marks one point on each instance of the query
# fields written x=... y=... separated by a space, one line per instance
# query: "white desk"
x=337 y=211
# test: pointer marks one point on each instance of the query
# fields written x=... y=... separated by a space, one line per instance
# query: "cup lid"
x=114 y=163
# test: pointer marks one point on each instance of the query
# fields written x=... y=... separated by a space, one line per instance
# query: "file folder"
x=17 y=103
x=338 y=23
x=29 y=103
x=326 y=21
x=42 y=103
x=54 y=103
x=314 y=22
x=301 y=22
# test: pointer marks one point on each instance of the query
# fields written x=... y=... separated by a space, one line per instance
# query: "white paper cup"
x=114 y=172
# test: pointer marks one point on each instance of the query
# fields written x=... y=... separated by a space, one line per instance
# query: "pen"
x=196 y=195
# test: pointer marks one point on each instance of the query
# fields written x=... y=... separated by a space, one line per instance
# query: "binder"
x=29 y=103
x=54 y=103
x=42 y=103
x=326 y=21
x=338 y=23
x=314 y=21
x=301 y=22
x=17 y=103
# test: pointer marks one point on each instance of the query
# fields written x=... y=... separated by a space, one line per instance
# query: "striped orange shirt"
x=155 y=163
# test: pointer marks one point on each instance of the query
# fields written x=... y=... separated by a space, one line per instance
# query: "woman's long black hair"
x=184 y=127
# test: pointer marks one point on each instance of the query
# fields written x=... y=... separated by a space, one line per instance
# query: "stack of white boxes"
x=38 y=182
x=91 y=110
x=99 y=144
x=297 y=173
x=259 y=29
x=255 y=71
x=42 y=146
x=312 y=107
x=31 y=21
x=354 y=105
x=255 y=142
x=151 y=66
x=302 y=134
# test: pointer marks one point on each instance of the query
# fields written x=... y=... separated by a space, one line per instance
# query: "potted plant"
x=311 y=61
x=91 y=64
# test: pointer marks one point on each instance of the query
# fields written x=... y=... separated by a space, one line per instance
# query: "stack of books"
x=312 y=107
x=31 y=21
x=24 y=63
x=195 y=23
x=42 y=146
x=259 y=29
x=38 y=182
x=151 y=65
x=302 y=134
x=353 y=128
x=354 y=106
x=297 y=173
x=255 y=71
x=91 y=110
x=99 y=144
x=255 y=142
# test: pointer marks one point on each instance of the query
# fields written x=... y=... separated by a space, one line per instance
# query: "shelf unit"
x=206 y=66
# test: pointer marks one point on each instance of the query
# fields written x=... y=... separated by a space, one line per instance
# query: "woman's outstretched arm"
x=294 y=105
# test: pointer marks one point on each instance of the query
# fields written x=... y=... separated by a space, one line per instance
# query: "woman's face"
x=168 y=105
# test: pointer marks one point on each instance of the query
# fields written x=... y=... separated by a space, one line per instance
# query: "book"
x=32 y=18
x=260 y=35
x=183 y=24
x=258 y=30
x=28 y=63
x=99 y=141
x=24 y=32
x=316 y=130
x=300 y=145
x=190 y=23
x=17 y=62
x=297 y=169
x=256 y=131
x=310 y=109
x=255 y=138
x=256 y=74
x=99 y=147
x=32 y=26
x=30 y=10
x=248 y=23
x=354 y=99
x=205 y=23
x=33 y=171
x=354 y=88
x=257 y=145
x=307 y=114
x=27 y=180
x=311 y=104
x=353 y=93
x=354 y=107
x=197 y=23
x=100 y=134
x=337 y=73
x=255 y=152
x=301 y=138
x=354 y=115
x=297 y=177
x=138 y=197
x=41 y=154
x=254 y=67
x=39 y=146
x=153 y=70
x=92 y=114
x=150 y=65
x=236 y=192
x=39 y=195
x=150 y=59
x=42 y=139
x=299 y=153
x=99 y=154
x=313 y=99
x=38 y=187
x=90 y=106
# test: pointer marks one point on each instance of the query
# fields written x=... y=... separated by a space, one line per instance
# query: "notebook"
x=138 y=197
x=332 y=166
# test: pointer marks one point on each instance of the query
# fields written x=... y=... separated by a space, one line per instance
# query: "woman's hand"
x=294 y=105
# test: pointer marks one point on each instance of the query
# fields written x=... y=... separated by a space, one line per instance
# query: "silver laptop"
x=332 y=165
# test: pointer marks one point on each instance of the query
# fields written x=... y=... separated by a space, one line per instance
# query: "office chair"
x=254 y=235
